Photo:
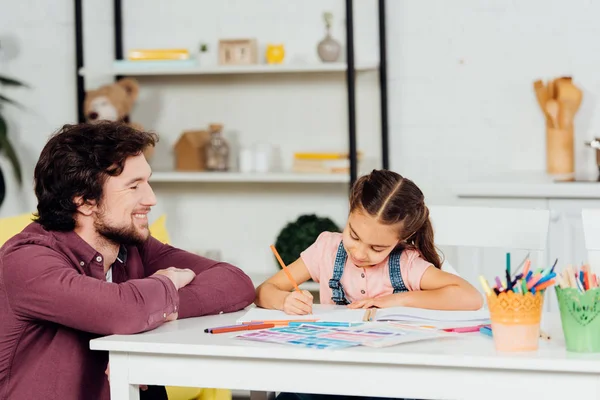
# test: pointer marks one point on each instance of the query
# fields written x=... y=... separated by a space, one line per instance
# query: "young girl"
x=385 y=257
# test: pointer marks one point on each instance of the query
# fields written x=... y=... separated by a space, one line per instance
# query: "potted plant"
x=203 y=54
x=6 y=148
x=298 y=235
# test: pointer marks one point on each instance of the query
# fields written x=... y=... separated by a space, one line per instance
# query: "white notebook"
x=345 y=314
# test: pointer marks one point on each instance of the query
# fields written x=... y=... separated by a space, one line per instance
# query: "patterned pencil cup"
x=516 y=320
x=580 y=318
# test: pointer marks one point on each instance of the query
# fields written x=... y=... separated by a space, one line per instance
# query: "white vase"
x=329 y=49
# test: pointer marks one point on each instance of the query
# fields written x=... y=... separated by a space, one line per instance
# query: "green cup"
x=580 y=318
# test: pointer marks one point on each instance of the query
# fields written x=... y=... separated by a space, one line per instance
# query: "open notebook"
x=395 y=314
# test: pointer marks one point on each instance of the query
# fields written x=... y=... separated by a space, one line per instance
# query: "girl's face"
x=367 y=241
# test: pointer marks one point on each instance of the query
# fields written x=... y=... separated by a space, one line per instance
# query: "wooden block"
x=238 y=52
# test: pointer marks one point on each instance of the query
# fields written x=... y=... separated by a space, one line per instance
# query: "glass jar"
x=217 y=150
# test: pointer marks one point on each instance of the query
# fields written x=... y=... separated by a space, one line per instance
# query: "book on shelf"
x=321 y=166
x=158 y=54
x=324 y=155
x=322 y=162
x=154 y=64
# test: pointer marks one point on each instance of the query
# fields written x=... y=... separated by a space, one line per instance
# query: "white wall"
x=460 y=81
x=460 y=90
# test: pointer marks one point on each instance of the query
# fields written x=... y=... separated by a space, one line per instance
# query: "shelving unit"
x=202 y=206
x=252 y=177
x=350 y=67
x=161 y=69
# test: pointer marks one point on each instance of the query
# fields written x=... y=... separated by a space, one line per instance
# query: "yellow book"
x=158 y=54
x=324 y=155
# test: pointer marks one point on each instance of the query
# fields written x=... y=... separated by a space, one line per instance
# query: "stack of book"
x=323 y=162
x=158 y=54
x=156 y=58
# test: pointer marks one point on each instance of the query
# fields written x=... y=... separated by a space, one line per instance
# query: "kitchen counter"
x=527 y=184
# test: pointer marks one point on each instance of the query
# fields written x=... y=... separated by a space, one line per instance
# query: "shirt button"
x=175 y=308
x=362 y=275
x=99 y=259
x=362 y=291
x=81 y=263
x=165 y=315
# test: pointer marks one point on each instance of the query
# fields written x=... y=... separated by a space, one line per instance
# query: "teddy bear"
x=113 y=102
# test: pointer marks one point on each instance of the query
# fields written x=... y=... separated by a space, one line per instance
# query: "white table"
x=179 y=353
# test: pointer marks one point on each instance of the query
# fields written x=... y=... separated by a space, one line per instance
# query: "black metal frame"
x=350 y=74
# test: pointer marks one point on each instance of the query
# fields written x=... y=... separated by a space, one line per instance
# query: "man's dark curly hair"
x=76 y=161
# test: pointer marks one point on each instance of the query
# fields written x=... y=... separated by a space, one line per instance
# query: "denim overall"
x=339 y=297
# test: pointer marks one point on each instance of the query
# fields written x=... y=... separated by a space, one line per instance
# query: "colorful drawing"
x=320 y=337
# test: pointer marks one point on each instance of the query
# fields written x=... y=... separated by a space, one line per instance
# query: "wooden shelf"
x=186 y=69
x=251 y=177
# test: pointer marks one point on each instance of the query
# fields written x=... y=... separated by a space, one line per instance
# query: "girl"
x=385 y=257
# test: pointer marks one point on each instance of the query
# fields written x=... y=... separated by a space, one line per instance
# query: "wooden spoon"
x=553 y=108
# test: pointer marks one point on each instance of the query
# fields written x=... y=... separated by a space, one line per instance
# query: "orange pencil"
x=285 y=269
x=544 y=285
x=226 y=329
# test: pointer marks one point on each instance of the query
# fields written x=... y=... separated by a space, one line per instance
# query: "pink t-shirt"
x=359 y=283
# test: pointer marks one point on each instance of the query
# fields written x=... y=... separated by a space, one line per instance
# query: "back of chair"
x=525 y=229
x=591 y=233
x=482 y=235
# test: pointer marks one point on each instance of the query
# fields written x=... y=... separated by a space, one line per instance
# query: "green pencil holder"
x=580 y=318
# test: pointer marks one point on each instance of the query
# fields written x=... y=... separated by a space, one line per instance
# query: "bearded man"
x=88 y=266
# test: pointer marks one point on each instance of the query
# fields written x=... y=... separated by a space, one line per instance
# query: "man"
x=87 y=266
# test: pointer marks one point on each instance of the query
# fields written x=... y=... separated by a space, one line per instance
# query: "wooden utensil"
x=569 y=98
x=552 y=108
x=541 y=93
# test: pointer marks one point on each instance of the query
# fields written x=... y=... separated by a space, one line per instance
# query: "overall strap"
x=395 y=274
x=338 y=295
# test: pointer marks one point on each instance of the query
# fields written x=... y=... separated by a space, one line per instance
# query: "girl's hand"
x=393 y=300
x=366 y=303
x=298 y=303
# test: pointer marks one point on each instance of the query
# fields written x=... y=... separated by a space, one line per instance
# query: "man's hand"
x=179 y=276
x=173 y=316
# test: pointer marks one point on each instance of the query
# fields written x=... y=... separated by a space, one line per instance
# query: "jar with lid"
x=217 y=150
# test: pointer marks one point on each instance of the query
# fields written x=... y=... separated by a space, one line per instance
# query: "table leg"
x=120 y=388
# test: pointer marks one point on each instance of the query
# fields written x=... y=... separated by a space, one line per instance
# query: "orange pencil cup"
x=516 y=320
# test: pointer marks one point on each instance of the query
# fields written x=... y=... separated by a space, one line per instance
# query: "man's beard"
x=127 y=236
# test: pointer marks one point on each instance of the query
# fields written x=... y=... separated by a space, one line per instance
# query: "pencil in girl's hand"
x=285 y=269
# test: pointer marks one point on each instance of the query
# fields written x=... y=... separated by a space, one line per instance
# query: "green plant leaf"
x=7 y=148
x=297 y=236
x=11 y=82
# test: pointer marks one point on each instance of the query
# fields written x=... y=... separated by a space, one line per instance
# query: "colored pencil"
x=285 y=269
x=236 y=328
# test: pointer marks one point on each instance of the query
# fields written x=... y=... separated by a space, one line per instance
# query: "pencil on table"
x=372 y=316
x=285 y=269
x=367 y=315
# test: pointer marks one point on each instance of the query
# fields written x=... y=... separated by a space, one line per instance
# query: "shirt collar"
x=122 y=256
x=80 y=248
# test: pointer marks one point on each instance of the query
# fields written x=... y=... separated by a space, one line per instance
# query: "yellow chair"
x=12 y=225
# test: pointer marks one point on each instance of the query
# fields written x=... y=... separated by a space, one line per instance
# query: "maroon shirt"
x=54 y=298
